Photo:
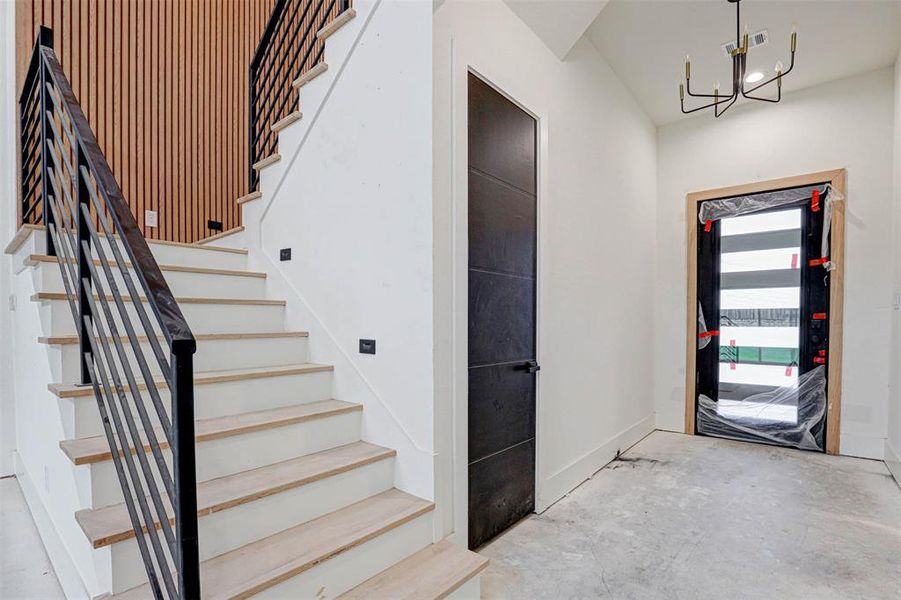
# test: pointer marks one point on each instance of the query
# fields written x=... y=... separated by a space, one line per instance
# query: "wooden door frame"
x=837 y=178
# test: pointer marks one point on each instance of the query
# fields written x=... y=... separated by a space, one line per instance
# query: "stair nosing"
x=335 y=24
x=40 y=296
x=65 y=340
x=30 y=228
x=371 y=585
x=255 y=195
x=266 y=162
x=45 y=258
x=311 y=74
x=258 y=582
x=290 y=119
x=92 y=457
x=203 y=378
x=373 y=454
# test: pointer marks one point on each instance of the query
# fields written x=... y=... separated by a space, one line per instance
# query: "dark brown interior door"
x=502 y=276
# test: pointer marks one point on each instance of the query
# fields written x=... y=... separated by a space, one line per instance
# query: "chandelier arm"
x=688 y=85
x=724 y=100
x=772 y=79
x=774 y=101
x=716 y=111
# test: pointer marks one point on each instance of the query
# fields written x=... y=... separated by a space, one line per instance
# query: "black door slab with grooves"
x=502 y=311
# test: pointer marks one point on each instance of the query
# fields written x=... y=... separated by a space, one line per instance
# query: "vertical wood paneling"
x=164 y=86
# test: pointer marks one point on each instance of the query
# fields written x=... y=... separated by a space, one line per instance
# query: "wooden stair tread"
x=219 y=236
x=262 y=164
x=179 y=300
x=64 y=340
x=70 y=390
x=94 y=449
x=44 y=258
x=256 y=195
x=105 y=526
x=26 y=230
x=288 y=120
x=310 y=74
x=432 y=573
x=265 y=563
x=336 y=23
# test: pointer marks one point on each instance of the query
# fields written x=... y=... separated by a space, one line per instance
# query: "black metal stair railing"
x=67 y=186
x=287 y=49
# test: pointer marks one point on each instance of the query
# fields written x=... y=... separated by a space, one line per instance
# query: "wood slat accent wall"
x=164 y=86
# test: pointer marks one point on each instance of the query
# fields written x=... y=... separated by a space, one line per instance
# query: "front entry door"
x=502 y=276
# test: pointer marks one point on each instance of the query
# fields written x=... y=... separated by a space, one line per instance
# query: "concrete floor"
x=693 y=517
x=25 y=570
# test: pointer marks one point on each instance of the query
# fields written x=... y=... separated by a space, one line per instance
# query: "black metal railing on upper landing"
x=288 y=48
x=67 y=186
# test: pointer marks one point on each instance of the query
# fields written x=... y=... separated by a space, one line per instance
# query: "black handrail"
x=68 y=186
x=288 y=48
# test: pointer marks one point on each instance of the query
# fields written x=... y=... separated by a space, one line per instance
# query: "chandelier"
x=722 y=103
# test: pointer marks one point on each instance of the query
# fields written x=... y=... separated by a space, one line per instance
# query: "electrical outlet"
x=214 y=225
x=150 y=218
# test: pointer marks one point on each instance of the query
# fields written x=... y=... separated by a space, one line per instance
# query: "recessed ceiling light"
x=754 y=77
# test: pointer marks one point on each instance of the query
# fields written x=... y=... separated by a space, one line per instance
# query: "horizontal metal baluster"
x=145 y=523
x=126 y=275
x=137 y=441
x=123 y=483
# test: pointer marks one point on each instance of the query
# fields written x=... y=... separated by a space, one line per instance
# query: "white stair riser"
x=349 y=569
x=167 y=254
x=197 y=285
x=202 y=318
x=233 y=454
x=219 y=532
x=212 y=355
x=221 y=399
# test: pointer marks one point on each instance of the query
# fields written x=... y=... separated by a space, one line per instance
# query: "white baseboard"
x=573 y=475
x=862 y=446
x=65 y=570
x=893 y=461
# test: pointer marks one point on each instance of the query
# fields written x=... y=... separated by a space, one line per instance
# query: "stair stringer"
x=384 y=423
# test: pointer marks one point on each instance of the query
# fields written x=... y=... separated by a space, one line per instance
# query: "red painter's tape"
x=707 y=226
x=819 y=316
x=822 y=353
x=819 y=360
x=707 y=334
x=815 y=201
x=795 y=260
x=788 y=371
x=816 y=262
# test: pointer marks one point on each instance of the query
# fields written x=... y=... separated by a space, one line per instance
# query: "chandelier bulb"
x=779 y=67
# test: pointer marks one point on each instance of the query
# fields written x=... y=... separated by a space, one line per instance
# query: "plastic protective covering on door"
x=714 y=210
x=747 y=420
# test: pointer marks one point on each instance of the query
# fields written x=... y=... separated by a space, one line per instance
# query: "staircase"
x=291 y=502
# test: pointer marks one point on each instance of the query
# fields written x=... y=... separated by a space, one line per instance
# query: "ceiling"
x=645 y=42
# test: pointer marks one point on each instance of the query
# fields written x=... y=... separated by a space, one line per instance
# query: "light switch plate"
x=150 y=218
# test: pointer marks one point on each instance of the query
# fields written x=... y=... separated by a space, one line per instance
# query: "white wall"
x=596 y=248
x=840 y=124
x=8 y=195
x=893 y=443
x=351 y=198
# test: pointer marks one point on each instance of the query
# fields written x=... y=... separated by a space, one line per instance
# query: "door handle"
x=532 y=366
